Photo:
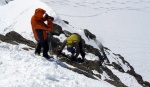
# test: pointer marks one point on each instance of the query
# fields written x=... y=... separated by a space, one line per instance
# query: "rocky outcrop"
x=131 y=71
x=114 y=79
x=57 y=30
x=15 y=38
x=89 y=35
x=7 y=40
x=7 y=1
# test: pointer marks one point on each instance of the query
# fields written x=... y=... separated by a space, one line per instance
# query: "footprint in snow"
x=52 y=78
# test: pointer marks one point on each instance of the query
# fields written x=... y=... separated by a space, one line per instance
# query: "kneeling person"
x=75 y=44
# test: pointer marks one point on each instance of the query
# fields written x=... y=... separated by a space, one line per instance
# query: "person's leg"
x=45 y=49
x=38 y=49
x=82 y=52
x=72 y=50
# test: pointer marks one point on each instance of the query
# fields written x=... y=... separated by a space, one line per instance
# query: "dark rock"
x=94 y=51
x=89 y=35
x=7 y=40
x=92 y=65
x=115 y=80
x=57 y=30
x=106 y=48
x=7 y=1
x=80 y=68
x=138 y=77
x=67 y=33
x=14 y=36
x=66 y=21
x=146 y=84
x=102 y=56
x=116 y=66
x=53 y=42
x=122 y=58
x=133 y=73
x=27 y=49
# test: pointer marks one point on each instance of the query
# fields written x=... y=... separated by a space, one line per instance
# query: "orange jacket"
x=37 y=22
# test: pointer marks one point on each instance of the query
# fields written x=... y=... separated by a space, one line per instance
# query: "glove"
x=51 y=18
x=48 y=17
x=73 y=58
x=59 y=50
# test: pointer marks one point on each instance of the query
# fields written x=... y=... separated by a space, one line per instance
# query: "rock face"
x=89 y=35
x=101 y=66
x=15 y=38
x=57 y=30
x=7 y=1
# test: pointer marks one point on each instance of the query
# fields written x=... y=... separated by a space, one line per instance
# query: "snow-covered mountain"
x=121 y=26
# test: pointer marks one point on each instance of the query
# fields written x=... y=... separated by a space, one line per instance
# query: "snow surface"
x=115 y=23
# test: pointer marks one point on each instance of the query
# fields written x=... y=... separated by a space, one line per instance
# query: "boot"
x=79 y=60
x=37 y=54
x=47 y=56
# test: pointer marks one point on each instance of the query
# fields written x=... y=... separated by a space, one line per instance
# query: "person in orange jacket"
x=40 y=29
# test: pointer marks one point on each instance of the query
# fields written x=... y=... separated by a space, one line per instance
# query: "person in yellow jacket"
x=75 y=44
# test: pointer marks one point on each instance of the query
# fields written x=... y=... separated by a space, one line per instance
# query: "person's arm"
x=49 y=25
x=62 y=47
x=39 y=24
x=76 y=45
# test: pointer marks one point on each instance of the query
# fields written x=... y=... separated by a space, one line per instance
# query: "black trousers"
x=44 y=45
x=81 y=48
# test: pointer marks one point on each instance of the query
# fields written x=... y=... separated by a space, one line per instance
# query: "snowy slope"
x=27 y=70
x=20 y=68
x=121 y=25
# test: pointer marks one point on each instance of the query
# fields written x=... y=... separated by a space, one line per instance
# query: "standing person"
x=75 y=44
x=40 y=29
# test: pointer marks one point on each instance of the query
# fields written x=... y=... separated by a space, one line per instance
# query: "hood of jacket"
x=39 y=12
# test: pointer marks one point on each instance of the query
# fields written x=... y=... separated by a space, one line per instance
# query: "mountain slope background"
x=19 y=21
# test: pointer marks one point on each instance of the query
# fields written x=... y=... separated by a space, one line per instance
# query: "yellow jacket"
x=74 y=38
